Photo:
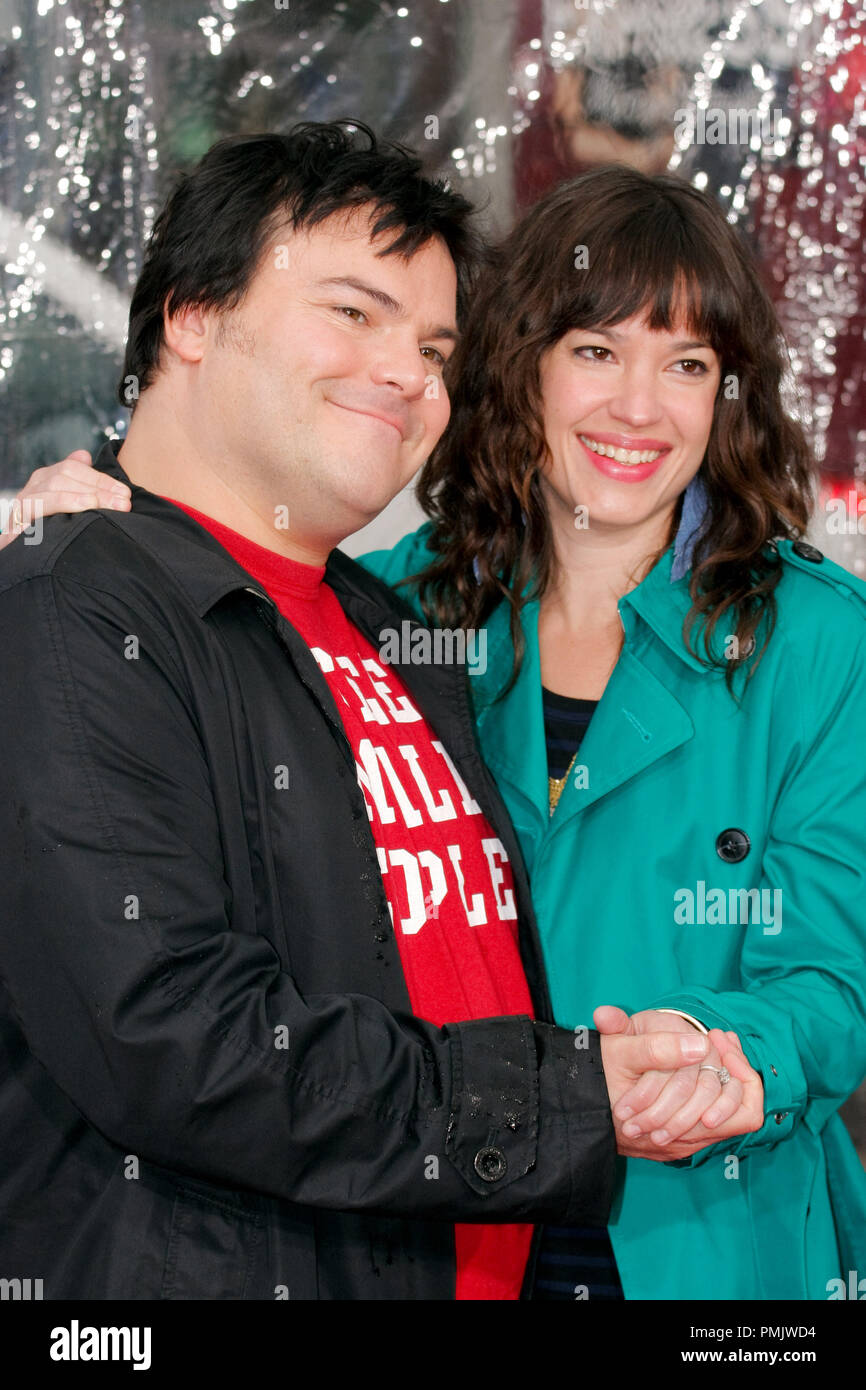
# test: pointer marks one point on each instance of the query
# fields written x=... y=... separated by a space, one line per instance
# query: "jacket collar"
x=207 y=571
x=202 y=567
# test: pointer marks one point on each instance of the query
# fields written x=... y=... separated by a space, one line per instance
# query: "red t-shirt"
x=446 y=875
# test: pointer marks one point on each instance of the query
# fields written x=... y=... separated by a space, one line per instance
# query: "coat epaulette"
x=811 y=560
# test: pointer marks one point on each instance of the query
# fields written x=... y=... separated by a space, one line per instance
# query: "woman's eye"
x=597 y=353
x=438 y=357
x=692 y=366
x=350 y=312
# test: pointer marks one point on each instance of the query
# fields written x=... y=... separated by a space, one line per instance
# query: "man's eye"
x=438 y=357
x=356 y=314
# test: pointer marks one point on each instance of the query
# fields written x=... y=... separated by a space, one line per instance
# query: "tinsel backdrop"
x=101 y=103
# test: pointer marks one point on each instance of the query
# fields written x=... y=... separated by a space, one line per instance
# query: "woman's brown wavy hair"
x=653 y=244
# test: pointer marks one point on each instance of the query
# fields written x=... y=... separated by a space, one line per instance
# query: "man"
x=267 y=949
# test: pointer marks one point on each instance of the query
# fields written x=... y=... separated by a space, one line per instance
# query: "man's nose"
x=397 y=362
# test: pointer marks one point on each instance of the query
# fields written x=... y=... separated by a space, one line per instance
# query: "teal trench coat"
x=635 y=908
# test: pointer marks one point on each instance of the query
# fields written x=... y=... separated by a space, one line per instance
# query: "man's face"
x=324 y=387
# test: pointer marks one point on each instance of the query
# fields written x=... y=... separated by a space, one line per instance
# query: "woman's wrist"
x=689 y=1018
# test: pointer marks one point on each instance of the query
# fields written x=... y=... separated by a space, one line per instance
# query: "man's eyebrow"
x=385 y=301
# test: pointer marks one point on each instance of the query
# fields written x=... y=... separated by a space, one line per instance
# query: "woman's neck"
x=580 y=632
x=593 y=569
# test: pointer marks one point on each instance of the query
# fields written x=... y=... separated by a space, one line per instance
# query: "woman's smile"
x=630 y=460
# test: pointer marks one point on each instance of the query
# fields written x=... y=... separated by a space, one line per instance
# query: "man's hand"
x=69 y=486
x=627 y=1056
x=674 y=1114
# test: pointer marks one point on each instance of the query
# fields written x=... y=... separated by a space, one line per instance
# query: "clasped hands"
x=664 y=1105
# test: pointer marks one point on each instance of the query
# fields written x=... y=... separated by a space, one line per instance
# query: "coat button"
x=780 y=1115
x=491 y=1164
x=733 y=845
x=807 y=552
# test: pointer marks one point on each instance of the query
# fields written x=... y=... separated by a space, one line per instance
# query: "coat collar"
x=639 y=720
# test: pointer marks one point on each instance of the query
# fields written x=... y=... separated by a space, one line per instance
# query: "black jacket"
x=211 y=1081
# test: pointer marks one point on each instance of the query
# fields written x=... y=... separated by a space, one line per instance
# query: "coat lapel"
x=638 y=720
x=512 y=729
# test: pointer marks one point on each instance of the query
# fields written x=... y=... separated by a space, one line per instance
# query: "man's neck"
x=159 y=455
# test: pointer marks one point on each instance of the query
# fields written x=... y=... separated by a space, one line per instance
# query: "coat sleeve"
x=801 y=1011
x=187 y=1043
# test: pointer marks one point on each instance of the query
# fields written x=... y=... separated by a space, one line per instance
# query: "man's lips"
x=395 y=421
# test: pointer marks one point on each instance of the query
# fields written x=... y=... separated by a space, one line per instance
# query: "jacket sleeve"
x=801 y=1011
x=187 y=1043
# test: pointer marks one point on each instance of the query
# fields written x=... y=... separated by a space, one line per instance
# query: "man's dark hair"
x=209 y=238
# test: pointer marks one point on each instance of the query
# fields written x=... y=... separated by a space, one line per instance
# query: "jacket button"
x=807 y=552
x=780 y=1115
x=491 y=1164
x=733 y=845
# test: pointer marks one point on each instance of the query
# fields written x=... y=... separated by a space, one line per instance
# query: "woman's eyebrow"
x=684 y=347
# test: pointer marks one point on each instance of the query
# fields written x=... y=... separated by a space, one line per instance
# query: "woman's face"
x=627 y=417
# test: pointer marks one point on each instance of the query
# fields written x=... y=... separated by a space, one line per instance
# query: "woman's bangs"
x=657 y=273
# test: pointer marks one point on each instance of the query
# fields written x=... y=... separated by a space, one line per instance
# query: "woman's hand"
x=69 y=486
x=689 y=1107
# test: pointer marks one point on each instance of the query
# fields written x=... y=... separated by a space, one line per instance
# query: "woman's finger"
x=69 y=501
x=725 y=1102
x=71 y=474
x=726 y=1106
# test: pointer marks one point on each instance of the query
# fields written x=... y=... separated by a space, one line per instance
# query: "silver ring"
x=721 y=1072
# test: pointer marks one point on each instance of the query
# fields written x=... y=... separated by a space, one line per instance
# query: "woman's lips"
x=624 y=472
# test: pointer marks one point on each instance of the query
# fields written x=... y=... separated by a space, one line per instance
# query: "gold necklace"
x=556 y=785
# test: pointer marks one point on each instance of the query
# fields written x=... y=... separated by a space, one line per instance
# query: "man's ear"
x=186 y=331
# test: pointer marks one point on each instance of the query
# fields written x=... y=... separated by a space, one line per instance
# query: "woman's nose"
x=636 y=401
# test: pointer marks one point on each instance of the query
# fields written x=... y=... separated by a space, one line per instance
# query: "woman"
x=670 y=679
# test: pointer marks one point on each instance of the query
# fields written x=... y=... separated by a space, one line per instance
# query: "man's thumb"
x=609 y=1019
